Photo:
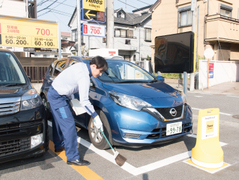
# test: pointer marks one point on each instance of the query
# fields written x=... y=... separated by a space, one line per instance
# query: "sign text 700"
x=42 y=31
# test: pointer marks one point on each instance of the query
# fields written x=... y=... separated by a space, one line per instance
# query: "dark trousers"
x=63 y=126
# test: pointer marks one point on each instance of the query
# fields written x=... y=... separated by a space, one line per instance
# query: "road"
x=166 y=161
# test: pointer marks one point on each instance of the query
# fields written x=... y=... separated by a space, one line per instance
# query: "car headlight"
x=30 y=100
x=184 y=98
x=127 y=101
x=36 y=140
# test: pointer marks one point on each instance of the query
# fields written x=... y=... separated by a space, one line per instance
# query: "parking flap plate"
x=173 y=128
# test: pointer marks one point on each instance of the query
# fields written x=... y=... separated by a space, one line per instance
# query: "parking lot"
x=165 y=161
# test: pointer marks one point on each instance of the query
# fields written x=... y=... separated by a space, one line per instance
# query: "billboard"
x=27 y=32
x=175 y=53
x=93 y=9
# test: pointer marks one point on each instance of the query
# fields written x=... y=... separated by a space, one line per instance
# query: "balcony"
x=221 y=28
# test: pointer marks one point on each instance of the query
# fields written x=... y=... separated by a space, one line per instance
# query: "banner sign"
x=93 y=30
x=23 y=32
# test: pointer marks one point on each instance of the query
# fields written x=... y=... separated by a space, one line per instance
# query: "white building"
x=132 y=34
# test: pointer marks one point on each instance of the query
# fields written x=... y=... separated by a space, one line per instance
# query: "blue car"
x=136 y=108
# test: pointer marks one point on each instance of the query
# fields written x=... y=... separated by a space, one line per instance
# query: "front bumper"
x=141 y=128
x=17 y=131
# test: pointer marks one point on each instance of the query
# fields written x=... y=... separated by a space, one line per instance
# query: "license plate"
x=173 y=128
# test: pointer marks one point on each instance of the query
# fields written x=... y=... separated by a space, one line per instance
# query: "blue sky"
x=61 y=10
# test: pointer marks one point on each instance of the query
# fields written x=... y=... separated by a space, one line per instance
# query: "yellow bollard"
x=207 y=151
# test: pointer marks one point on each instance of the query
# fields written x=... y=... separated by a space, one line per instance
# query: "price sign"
x=21 y=32
x=93 y=30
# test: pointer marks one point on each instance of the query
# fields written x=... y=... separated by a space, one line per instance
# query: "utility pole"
x=194 y=13
x=110 y=24
x=79 y=27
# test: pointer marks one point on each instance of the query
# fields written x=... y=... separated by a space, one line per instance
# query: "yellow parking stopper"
x=207 y=151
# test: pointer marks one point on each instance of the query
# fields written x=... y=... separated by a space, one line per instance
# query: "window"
x=148 y=34
x=129 y=34
x=185 y=16
x=127 y=41
x=226 y=10
x=74 y=35
x=104 y=40
x=123 y=33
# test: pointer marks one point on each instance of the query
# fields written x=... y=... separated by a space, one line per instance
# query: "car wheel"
x=96 y=137
x=47 y=107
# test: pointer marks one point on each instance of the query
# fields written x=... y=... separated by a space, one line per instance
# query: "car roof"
x=88 y=58
x=4 y=50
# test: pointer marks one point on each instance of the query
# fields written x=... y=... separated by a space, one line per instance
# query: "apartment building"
x=216 y=24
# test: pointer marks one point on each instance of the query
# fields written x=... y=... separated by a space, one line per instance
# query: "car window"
x=51 y=67
x=72 y=61
x=59 y=67
x=10 y=72
x=125 y=72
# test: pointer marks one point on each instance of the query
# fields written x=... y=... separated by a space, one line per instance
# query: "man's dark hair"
x=100 y=62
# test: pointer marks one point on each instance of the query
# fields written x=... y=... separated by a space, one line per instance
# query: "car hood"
x=13 y=91
x=144 y=90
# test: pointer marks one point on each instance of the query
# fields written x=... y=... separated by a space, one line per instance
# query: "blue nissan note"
x=135 y=107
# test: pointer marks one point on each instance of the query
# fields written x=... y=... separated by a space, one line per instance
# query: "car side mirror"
x=160 y=78
x=29 y=78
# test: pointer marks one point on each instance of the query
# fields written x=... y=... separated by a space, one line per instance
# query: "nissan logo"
x=173 y=112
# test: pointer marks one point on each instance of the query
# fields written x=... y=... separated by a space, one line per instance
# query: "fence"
x=222 y=71
x=36 y=73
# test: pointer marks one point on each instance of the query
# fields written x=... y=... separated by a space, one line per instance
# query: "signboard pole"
x=79 y=27
x=185 y=82
x=207 y=73
x=59 y=41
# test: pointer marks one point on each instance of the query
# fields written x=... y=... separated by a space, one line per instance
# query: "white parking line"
x=140 y=170
x=219 y=112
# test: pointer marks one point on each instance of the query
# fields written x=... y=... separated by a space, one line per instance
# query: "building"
x=216 y=24
x=132 y=34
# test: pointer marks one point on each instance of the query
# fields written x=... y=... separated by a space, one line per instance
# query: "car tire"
x=47 y=107
x=96 y=138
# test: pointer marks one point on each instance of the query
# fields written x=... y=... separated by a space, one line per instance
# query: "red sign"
x=211 y=66
x=93 y=30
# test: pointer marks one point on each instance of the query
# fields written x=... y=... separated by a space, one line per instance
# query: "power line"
x=56 y=11
x=127 y=4
x=143 y=2
x=61 y=3
x=42 y=2
x=47 y=7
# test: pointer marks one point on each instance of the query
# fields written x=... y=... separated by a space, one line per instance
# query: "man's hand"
x=98 y=124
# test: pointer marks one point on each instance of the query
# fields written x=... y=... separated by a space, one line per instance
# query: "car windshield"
x=125 y=72
x=10 y=72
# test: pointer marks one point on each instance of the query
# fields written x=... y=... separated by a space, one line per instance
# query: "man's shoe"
x=59 y=150
x=79 y=162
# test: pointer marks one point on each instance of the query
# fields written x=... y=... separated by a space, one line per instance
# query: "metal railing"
x=36 y=73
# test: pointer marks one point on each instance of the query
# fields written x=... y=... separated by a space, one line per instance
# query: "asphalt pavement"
x=227 y=88
x=167 y=161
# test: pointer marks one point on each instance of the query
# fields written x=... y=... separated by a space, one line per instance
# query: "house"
x=132 y=34
x=216 y=21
